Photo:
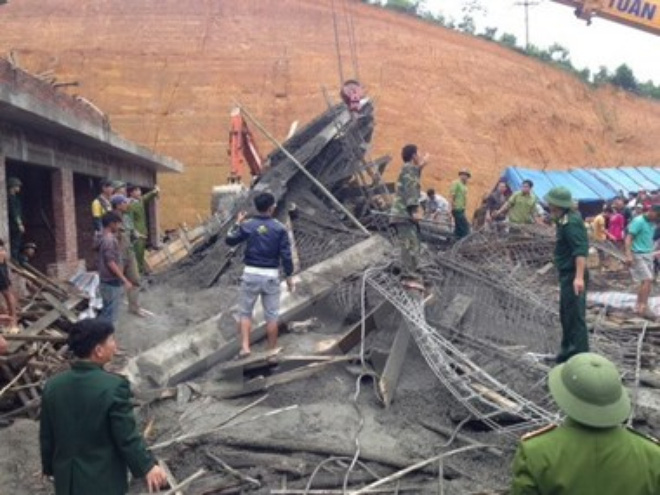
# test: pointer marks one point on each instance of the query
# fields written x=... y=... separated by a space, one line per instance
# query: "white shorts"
x=642 y=267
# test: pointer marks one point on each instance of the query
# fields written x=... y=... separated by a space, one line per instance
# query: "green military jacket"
x=573 y=459
x=572 y=241
x=88 y=434
x=138 y=213
x=14 y=212
x=408 y=191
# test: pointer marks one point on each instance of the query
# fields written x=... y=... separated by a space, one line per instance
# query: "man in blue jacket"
x=267 y=245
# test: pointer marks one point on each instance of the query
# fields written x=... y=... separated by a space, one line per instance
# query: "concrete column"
x=66 y=233
x=4 y=218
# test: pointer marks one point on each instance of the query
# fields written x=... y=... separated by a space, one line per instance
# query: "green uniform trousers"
x=408 y=239
x=140 y=248
x=461 y=224
x=572 y=310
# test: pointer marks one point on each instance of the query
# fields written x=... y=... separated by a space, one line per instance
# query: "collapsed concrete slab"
x=196 y=350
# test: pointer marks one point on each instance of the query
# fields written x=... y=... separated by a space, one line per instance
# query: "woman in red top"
x=616 y=228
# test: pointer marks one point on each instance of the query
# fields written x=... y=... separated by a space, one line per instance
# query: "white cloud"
x=603 y=43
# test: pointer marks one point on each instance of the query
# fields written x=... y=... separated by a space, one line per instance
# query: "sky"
x=603 y=43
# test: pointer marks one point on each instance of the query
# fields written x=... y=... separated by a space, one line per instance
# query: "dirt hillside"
x=165 y=71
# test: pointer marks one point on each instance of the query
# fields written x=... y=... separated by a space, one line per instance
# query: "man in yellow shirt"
x=101 y=205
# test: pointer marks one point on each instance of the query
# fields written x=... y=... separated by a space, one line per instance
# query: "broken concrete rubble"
x=190 y=353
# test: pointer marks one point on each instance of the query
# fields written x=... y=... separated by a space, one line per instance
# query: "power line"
x=334 y=22
x=527 y=4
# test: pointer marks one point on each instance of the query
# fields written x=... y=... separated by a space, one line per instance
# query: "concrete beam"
x=28 y=146
x=196 y=350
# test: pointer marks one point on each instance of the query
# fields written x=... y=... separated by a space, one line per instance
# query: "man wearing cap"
x=407 y=212
x=28 y=251
x=639 y=256
x=571 y=251
x=590 y=452
x=521 y=206
x=126 y=236
x=15 y=216
x=458 y=202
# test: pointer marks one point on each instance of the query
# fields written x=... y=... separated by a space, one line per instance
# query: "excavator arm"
x=242 y=149
x=638 y=14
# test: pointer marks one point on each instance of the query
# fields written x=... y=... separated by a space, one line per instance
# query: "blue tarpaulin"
x=587 y=185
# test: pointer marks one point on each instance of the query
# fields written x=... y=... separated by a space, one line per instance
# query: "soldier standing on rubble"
x=571 y=251
x=591 y=452
x=521 y=206
x=406 y=213
x=268 y=244
x=458 y=201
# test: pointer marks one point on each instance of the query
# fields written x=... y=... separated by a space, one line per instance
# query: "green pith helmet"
x=559 y=196
x=14 y=182
x=588 y=389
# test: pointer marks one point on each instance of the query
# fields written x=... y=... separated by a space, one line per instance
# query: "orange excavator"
x=242 y=149
x=638 y=14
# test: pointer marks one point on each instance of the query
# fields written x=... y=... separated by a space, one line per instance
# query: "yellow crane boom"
x=638 y=14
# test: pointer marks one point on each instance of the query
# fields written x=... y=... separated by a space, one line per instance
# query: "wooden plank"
x=390 y=376
x=64 y=311
x=256 y=358
x=353 y=336
x=44 y=322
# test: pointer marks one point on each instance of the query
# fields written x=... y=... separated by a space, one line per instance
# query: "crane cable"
x=350 y=26
x=337 y=48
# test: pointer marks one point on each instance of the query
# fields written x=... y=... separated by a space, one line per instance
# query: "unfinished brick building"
x=61 y=147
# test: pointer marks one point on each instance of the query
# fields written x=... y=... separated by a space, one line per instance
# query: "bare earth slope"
x=165 y=71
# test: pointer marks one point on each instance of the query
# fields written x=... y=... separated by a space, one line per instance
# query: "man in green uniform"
x=458 y=202
x=521 y=206
x=571 y=251
x=406 y=213
x=88 y=434
x=126 y=238
x=15 y=217
x=591 y=453
x=138 y=214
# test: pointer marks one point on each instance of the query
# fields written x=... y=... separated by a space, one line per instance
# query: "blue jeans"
x=111 y=295
x=253 y=286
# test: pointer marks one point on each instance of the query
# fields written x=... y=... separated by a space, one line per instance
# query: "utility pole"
x=527 y=4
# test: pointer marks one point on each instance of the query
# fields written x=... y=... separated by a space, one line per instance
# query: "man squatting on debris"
x=571 y=251
x=88 y=434
x=267 y=244
x=591 y=453
x=406 y=213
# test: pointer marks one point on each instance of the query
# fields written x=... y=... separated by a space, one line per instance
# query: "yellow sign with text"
x=639 y=13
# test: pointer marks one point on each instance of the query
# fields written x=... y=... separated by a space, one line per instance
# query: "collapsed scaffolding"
x=486 y=330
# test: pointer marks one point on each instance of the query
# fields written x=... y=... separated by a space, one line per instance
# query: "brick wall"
x=66 y=234
x=23 y=82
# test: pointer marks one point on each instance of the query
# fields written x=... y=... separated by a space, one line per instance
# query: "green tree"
x=407 y=6
x=509 y=40
x=559 y=53
x=467 y=24
x=625 y=78
x=603 y=76
x=489 y=33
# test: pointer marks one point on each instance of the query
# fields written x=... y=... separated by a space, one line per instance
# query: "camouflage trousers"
x=407 y=235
